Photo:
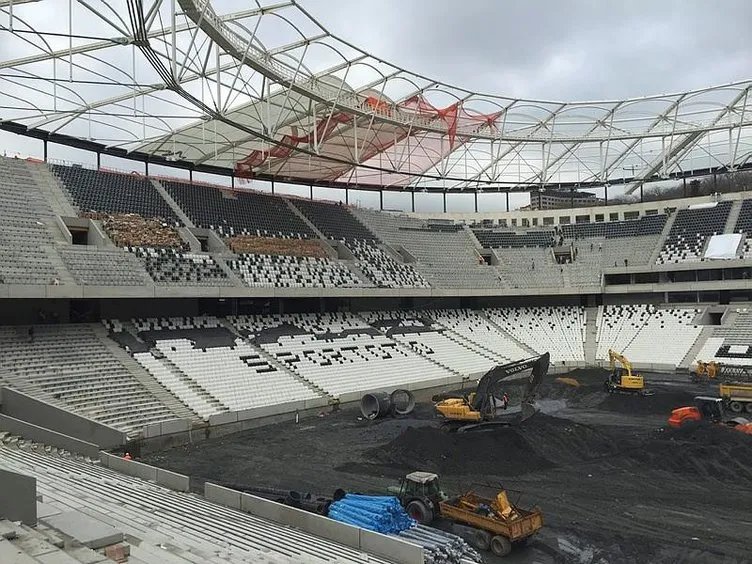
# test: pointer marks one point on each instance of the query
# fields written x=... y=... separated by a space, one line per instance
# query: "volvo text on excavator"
x=487 y=405
x=621 y=378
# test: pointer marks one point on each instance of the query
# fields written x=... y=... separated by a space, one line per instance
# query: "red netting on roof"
x=406 y=150
x=324 y=128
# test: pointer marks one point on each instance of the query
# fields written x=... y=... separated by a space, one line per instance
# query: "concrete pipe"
x=403 y=402
x=376 y=405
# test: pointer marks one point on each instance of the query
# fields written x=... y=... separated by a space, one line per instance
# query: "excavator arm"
x=489 y=383
x=614 y=357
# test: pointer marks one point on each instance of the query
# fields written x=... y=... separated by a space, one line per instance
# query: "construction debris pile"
x=382 y=514
x=133 y=230
x=440 y=547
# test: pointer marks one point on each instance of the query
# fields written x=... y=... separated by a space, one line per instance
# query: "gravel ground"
x=614 y=484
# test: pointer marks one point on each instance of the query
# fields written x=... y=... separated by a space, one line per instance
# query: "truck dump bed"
x=470 y=509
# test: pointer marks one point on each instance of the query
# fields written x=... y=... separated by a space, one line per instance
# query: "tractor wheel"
x=736 y=406
x=417 y=510
x=501 y=546
x=481 y=540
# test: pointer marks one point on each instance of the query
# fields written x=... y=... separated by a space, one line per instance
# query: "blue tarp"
x=382 y=514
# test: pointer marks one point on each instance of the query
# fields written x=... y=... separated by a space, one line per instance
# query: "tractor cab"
x=710 y=409
x=420 y=494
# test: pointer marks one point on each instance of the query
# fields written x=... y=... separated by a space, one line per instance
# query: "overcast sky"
x=546 y=49
x=560 y=50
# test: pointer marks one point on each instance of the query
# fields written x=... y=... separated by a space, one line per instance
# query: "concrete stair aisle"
x=733 y=216
x=666 y=230
x=357 y=272
x=195 y=387
x=177 y=407
x=407 y=348
x=51 y=188
x=327 y=247
x=473 y=238
x=473 y=346
x=511 y=337
x=688 y=361
x=274 y=362
x=64 y=276
x=236 y=280
x=172 y=203
x=591 y=334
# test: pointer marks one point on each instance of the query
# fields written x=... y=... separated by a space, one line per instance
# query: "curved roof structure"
x=268 y=91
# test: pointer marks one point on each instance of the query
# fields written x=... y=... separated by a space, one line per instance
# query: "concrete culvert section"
x=376 y=405
x=403 y=402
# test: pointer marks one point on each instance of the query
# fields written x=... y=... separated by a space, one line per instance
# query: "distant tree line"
x=722 y=183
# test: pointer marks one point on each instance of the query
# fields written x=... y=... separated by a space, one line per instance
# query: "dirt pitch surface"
x=614 y=484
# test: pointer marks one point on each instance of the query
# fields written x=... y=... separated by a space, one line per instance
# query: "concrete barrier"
x=37 y=412
x=18 y=498
x=43 y=435
x=397 y=550
x=222 y=496
x=169 y=427
x=166 y=478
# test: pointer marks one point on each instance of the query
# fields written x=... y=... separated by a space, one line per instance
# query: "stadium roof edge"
x=95 y=147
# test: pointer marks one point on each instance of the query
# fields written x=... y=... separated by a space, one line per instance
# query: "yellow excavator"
x=621 y=378
x=487 y=405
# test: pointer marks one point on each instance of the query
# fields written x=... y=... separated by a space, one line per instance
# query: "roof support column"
x=476 y=201
x=412 y=195
x=507 y=200
x=347 y=197
x=99 y=160
x=44 y=149
x=272 y=187
x=310 y=191
x=444 y=201
x=381 y=200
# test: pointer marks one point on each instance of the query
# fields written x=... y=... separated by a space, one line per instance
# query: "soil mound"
x=662 y=402
x=501 y=450
x=541 y=443
x=701 y=449
x=563 y=441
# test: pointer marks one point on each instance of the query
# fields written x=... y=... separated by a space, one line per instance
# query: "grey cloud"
x=580 y=49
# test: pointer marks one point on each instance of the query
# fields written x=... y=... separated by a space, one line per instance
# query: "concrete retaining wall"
x=46 y=436
x=172 y=480
x=37 y=412
x=167 y=428
x=377 y=544
x=18 y=497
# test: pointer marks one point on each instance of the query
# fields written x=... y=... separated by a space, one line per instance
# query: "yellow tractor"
x=621 y=379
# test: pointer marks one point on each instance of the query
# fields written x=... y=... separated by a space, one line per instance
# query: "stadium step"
x=591 y=334
x=666 y=230
x=274 y=362
x=172 y=203
x=689 y=360
x=325 y=242
x=511 y=337
x=472 y=237
x=192 y=384
x=53 y=192
x=733 y=216
x=147 y=380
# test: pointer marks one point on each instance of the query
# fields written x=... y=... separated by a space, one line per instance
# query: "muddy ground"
x=614 y=484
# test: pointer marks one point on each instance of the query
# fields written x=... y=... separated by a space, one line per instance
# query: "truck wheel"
x=748 y=407
x=736 y=406
x=481 y=540
x=417 y=510
x=501 y=546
